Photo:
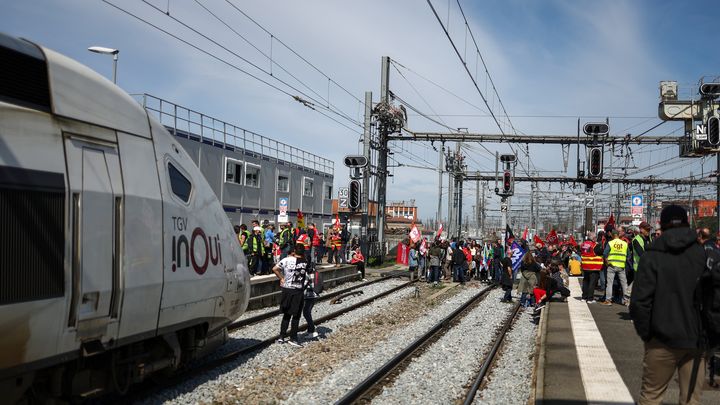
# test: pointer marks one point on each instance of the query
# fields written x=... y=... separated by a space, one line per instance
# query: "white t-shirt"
x=293 y=271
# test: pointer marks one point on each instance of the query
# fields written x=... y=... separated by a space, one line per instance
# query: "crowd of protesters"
x=264 y=246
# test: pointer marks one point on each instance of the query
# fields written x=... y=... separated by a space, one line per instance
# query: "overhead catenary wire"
x=230 y=64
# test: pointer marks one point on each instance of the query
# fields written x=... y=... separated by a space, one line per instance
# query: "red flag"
x=537 y=240
x=572 y=241
x=414 y=233
x=610 y=223
x=525 y=234
x=337 y=221
x=552 y=238
x=439 y=232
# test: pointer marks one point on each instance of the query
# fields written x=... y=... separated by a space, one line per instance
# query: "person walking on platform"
x=616 y=256
x=591 y=265
x=256 y=251
x=664 y=311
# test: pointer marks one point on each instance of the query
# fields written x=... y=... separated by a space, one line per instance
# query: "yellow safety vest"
x=618 y=253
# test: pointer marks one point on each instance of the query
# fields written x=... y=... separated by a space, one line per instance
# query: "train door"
x=96 y=206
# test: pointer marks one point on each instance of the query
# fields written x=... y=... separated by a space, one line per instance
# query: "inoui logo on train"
x=184 y=245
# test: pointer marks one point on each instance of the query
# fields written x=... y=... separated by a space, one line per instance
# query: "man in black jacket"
x=664 y=312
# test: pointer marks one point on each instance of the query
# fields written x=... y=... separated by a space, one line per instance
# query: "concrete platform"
x=591 y=354
x=265 y=290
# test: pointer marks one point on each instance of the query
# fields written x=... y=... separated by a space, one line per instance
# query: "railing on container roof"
x=189 y=123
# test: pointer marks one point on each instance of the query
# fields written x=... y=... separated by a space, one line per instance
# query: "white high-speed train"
x=116 y=258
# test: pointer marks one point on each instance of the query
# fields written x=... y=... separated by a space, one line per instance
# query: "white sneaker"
x=591 y=301
x=295 y=343
x=282 y=340
x=313 y=335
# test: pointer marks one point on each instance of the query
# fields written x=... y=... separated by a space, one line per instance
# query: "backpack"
x=317 y=282
x=709 y=297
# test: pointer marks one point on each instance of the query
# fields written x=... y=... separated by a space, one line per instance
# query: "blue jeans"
x=434 y=274
x=459 y=272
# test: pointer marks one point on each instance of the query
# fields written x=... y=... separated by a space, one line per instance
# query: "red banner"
x=403 y=251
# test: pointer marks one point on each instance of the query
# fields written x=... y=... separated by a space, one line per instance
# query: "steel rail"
x=324 y=297
x=379 y=375
x=490 y=358
x=211 y=364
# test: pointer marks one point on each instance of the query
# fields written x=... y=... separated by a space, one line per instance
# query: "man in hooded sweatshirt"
x=663 y=310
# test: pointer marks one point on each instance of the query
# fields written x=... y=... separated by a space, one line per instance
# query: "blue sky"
x=556 y=59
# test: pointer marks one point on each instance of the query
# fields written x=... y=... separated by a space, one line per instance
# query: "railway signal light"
x=507 y=184
x=710 y=90
x=713 y=131
x=596 y=128
x=355 y=161
x=596 y=163
x=355 y=195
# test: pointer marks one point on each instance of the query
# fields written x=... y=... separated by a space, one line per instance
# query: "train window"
x=179 y=184
x=233 y=171
x=327 y=191
x=32 y=241
x=283 y=182
x=252 y=175
x=308 y=186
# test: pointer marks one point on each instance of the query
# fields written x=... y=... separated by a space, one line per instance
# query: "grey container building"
x=249 y=172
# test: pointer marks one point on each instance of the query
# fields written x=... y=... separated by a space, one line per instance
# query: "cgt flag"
x=537 y=240
x=572 y=241
x=525 y=234
x=439 y=232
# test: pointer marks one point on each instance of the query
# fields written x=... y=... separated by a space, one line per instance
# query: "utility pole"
x=382 y=156
x=482 y=211
x=458 y=188
x=365 y=206
x=477 y=205
x=532 y=205
x=449 y=165
x=441 y=159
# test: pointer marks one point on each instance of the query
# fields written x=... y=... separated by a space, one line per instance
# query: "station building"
x=250 y=173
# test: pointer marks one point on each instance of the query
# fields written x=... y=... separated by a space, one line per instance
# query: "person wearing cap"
x=664 y=311
x=640 y=243
x=256 y=250
x=285 y=240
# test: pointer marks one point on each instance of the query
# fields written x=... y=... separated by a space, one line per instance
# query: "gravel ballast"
x=510 y=382
x=248 y=368
x=342 y=378
x=439 y=373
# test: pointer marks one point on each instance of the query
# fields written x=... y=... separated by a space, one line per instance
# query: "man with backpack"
x=665 y=311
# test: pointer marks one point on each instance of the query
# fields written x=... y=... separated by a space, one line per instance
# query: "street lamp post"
x=108 y=51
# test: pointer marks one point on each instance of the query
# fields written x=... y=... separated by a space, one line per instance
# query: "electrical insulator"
x=596 y=162
x=355 y=195
x=713 y=131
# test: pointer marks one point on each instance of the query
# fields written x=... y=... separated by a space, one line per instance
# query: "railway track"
x=490 y=358
x=324 y=297
x=142 y=392
x=366 y=389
